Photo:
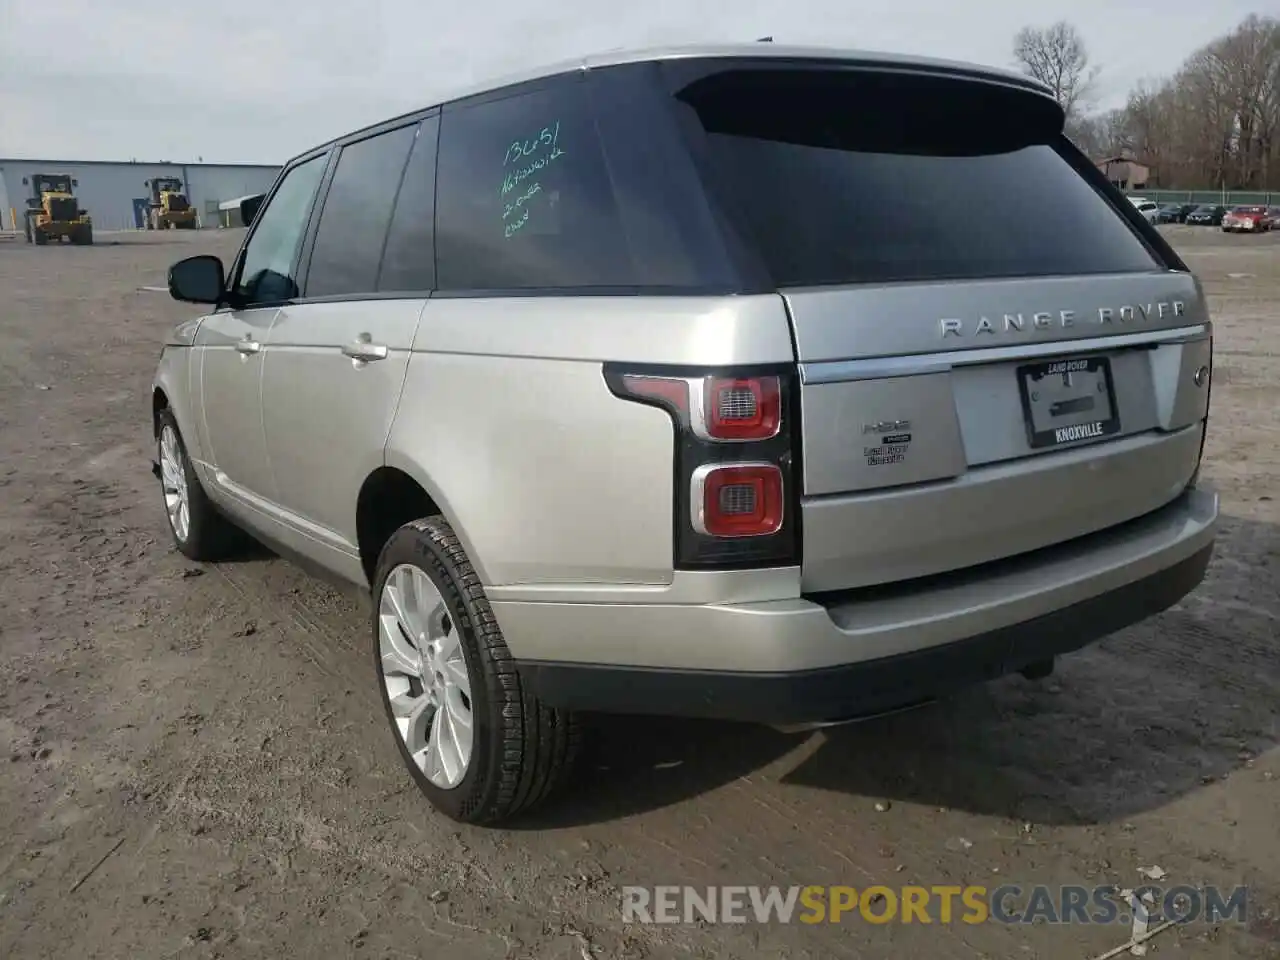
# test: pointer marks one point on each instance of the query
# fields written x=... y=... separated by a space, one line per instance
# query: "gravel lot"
x=195 y=763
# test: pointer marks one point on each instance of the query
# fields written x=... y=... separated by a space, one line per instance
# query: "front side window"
x=268 y=265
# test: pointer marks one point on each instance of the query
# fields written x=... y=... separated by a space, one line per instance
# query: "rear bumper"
x=865 y=652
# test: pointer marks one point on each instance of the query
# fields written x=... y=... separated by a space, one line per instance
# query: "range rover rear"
x=984 y=447
x=726 y=382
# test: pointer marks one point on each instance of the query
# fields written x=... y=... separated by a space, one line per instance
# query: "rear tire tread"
x=537 y=746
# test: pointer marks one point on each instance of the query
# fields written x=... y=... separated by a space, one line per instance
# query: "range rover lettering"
x=696 y=382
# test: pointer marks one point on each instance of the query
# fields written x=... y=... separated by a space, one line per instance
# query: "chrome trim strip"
x=880 y=368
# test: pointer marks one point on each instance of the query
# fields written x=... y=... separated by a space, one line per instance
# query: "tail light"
x=740 y=408
x=739 y=500
x=736 y=502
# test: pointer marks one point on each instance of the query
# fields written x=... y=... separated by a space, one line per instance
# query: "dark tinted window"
x=673 y=234
x=524 y=199
x=859 y=176
x=409 y=261
x=357 y=209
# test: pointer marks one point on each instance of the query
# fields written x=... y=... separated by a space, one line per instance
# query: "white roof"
x=777 y=51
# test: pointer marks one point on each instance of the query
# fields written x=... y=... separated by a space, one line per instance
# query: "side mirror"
x=197 y=280
x=249 y=208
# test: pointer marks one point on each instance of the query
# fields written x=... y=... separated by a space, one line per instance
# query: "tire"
x=206 y=534
x=520 y=751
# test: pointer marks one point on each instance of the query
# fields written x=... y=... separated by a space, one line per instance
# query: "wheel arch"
x=395 y=494
x=171 y=390
x=159 y=403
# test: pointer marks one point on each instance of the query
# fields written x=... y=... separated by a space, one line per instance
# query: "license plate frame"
x=1038 y=413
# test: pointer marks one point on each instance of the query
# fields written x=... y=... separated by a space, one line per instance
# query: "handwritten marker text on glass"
x=514 y=206
x=516 y=153
x=511 y=228
x=546 y=139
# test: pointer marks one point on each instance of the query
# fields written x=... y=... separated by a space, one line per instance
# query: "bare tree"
x=1056 y=56
x=1101 y=135
x=1216 y=122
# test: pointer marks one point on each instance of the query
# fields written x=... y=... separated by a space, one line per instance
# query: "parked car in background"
x=1170 y=213
x=1149 y=209
x=1180 y=212
x=1273 y=218
x=1250 y=218
x=1207 y=215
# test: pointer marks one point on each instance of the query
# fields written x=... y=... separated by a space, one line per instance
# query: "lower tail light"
x=737 y=500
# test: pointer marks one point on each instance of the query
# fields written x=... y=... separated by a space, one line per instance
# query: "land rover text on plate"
x=697 y=382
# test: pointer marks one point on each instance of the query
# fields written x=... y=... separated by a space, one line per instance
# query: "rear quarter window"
x=523 y=196
x=858 y=176
x=575 y=185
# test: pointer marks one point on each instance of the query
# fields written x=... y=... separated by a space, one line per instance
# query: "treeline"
x=1214 y=123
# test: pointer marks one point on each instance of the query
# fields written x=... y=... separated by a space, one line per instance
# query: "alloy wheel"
x=173 y=477
x=425 y=674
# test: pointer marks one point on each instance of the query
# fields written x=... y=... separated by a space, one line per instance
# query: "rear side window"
x=409 y=261
x=357 y=210
x=858 y=176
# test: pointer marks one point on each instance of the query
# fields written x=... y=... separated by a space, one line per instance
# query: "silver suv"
x=698 y=382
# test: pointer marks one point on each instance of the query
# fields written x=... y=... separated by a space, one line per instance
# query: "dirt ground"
x=193 y=762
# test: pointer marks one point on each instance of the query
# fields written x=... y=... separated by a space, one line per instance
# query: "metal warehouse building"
x=116 y=194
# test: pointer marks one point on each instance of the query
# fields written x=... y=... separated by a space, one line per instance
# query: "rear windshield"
x=859 y=176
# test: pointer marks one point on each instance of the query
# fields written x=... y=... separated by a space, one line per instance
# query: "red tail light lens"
x=737 y=500
x=670 y=389
x=742 y=408
x=735 y=442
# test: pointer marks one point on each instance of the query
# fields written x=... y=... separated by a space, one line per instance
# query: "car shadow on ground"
x=1147 y=715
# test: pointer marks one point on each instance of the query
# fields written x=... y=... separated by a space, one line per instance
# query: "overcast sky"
x=260 y=80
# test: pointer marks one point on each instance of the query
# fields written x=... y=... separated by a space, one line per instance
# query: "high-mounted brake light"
x=737 y=500
x=741 y=408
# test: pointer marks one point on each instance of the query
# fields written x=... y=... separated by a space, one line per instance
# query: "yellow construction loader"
x=170 y=208
x=53 y=212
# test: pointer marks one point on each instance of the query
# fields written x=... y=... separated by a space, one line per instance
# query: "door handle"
x=247 y=346
x=363 y=350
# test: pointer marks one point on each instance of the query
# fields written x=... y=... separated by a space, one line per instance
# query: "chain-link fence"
x=1229 y=198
